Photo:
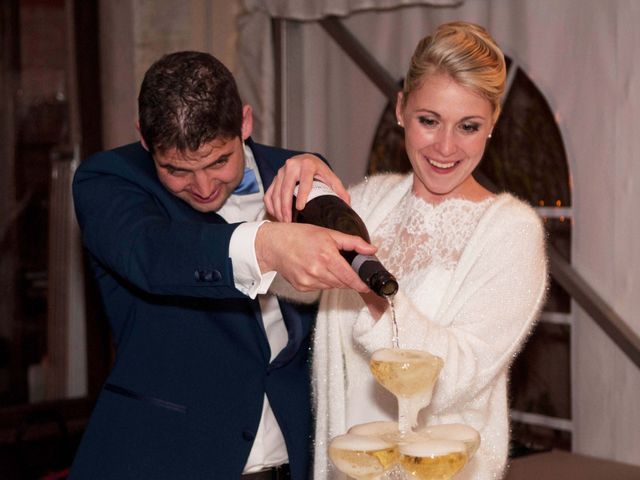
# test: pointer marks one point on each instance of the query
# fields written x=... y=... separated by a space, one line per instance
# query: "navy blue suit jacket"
x=184 y=398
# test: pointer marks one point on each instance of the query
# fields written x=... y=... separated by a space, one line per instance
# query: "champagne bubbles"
x=432 y=448
x=432 y=459
x=405 y=372
x=456 y=431
x=387 y=431
x=375 y=429
x=362 y=457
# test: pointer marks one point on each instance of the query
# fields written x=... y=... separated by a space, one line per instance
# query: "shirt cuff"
x=246 y=272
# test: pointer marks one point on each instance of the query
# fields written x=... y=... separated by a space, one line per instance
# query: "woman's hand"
x=302 y=169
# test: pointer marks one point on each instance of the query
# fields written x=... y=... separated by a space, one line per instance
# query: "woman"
x=471 y=264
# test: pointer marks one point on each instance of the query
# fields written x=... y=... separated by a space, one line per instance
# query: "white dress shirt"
x=268 y=447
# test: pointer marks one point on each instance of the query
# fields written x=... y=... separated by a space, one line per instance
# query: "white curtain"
x=582 y=54
x=316 y=9
x=255 y=69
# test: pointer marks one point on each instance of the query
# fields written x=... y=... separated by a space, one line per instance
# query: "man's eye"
x=174 y=172
x=220 y=162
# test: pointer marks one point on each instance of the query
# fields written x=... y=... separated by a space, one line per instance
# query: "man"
x=210 y=379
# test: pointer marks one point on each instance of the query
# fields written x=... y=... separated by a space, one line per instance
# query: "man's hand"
x=308 y=257
x=304 y=169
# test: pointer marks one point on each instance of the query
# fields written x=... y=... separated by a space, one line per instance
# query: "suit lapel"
x=293 y=322
x=262 y=341
x=265 y=168
x=290 y=314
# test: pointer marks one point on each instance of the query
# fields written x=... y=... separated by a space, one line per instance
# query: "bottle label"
x=359 y=259
x=318 y=189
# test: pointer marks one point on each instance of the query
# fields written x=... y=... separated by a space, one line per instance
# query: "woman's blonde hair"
x=465 y=52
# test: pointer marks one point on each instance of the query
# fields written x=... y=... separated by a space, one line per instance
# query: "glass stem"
x=404 y=422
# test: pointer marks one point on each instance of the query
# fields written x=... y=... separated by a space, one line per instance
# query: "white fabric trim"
x=246 y=273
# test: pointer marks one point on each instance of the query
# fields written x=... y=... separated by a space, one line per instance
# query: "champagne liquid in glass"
x=362 y=457
x=410 y=375
x=455 y=431
x=433 y=459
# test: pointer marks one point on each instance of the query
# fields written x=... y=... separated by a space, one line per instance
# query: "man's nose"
x=203 y=184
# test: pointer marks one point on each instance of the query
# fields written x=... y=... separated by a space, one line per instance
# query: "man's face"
x=204 y=178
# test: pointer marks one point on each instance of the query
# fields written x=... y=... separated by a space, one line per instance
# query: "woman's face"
x=446 y=129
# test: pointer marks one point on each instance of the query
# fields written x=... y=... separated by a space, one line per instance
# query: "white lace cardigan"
x=475 y=314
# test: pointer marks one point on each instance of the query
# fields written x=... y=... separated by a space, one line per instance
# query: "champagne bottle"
x=325 y=209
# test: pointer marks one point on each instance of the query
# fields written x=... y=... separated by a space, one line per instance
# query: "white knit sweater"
x=470 y=298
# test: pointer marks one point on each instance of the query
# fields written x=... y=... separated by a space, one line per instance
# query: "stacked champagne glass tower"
x=388 y=449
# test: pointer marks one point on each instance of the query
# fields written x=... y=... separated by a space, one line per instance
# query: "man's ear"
x=144 y=144
x=247 y=121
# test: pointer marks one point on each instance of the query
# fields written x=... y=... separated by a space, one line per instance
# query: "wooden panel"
x=564 y=465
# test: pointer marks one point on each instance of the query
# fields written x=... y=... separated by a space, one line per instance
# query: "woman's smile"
x=442 y=167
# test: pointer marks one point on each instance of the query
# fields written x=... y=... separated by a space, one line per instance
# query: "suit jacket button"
x=216 y=276
x=197 y=275
x=208 y=276
x=248 y=435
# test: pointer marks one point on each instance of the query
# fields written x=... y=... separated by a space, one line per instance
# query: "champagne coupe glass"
x=455 y=431
x=362 y=457
x=431 y=459
x=410 y=375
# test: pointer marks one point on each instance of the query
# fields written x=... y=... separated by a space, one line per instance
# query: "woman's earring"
x=489 y=136
x=399 y=123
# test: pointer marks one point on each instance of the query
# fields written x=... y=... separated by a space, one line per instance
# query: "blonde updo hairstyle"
x=466 y=53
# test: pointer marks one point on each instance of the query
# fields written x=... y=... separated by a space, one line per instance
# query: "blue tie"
x=249 y=183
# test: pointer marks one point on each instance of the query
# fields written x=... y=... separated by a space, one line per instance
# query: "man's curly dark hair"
x=186 y=100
